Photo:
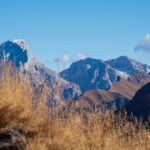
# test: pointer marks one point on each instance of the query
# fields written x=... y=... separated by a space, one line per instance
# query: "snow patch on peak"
x=148 y=69
x=122 y=74
x=88 y=66
x=126 y=64
x=95 y=75
x=22 y=43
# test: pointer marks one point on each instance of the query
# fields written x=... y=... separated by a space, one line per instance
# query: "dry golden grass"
x=93 y=133
x=15 y=101
x=68 y=129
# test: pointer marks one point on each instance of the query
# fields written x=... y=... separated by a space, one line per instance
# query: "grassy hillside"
x=23 y=126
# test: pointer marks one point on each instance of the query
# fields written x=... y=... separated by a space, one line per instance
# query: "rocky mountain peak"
x=16 y=51
x=18 y=54
x=127 y=65
x=92 y=73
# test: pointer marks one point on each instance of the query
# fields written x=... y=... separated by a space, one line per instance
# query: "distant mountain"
x=115 y=98
x=126 y=88
x=101 y=99
x=92 y=74
x=139 y=77
x=18 y=54
x=128 y=65
x=140 y=104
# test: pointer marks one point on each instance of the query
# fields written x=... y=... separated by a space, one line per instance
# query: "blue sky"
x=66 y=30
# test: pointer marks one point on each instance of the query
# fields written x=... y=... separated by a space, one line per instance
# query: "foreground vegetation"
x=40 y=128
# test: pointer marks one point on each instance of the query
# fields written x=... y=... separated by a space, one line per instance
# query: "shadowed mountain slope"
x=140 y=104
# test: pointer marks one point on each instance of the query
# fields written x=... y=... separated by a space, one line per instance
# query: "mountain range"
x=107 y=84
x=92 y=74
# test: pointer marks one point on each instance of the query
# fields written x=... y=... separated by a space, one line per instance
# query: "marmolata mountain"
x=92 y=74
x=107 y=84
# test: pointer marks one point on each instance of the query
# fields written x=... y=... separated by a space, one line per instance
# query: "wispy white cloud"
x=81 y=56
x=64 y=61
x=144 y=45
x=57 y=60
x=61 y=60
x=66 y=58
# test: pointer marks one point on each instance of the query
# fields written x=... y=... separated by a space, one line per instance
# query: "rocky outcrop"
x=11 y=139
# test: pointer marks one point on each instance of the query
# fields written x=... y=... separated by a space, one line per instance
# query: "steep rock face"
x=91 y=74
x=18 y=54
x=140 y=104
x=127 y=65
